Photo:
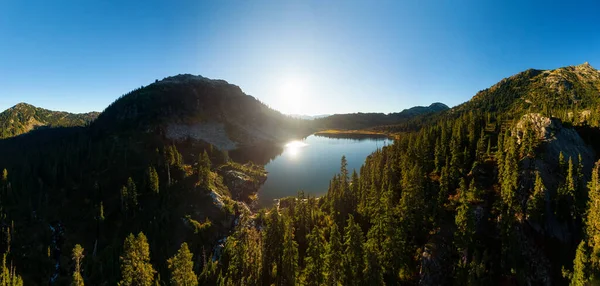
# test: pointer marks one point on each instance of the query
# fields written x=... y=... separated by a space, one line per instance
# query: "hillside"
x=23 y=118
x=354 y=121
x=493 y=191
x=571 y=93
x=501 y=190
x=188 y=106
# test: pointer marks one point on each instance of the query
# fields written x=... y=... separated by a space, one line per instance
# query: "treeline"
x=455 y=203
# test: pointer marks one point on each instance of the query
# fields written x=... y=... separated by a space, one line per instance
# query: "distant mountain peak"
x=24 y=117
x=586 y=65
x=23 y=105
x=438 y=106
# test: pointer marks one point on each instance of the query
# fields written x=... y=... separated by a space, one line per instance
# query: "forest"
x=493 y=191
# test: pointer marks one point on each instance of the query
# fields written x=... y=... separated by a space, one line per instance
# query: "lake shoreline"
x=339 y=133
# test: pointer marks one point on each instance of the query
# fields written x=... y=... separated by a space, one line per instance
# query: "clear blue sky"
x=309 y=57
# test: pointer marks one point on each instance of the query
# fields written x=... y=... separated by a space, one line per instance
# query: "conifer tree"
x=136 y=269
x=372 y=273
x=314 y=260
x=580 y=265
x=333 y=258
x=153 y=184
x=132 y=192
x=77 y=256
x=593 y=221
x=289 y=265
x=272 y=246
x=536 y=204
x=204 y=169
x=181 y=266
x=353 y=258
x=8 y=276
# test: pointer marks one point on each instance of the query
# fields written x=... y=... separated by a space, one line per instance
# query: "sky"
x=301 y=57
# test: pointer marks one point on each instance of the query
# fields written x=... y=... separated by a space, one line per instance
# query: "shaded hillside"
x=126 y=173
x=188 y=106
x=24 y=117
x=368 y=120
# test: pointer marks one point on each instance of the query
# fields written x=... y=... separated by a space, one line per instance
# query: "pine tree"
x=124 y=199
x=580 y=272
x=536 y=204
x=77 y=256
x=8 y=276
x=132 y=192
x=353 y=258
x=204 y=170
x=136 y=269
x=289 y=263
x=152 y=177
x=272 y=246
x=593 y=220
x=314 y=260
x=372 y=273
x=101 y=212
x=181 y=267
x=333 y=258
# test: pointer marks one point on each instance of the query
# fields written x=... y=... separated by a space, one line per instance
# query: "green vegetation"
x=479 y=194
x=23 y=117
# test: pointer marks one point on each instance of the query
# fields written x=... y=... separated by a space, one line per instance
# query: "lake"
x=309 y=165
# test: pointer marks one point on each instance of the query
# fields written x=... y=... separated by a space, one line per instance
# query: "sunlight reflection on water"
x=293 y=148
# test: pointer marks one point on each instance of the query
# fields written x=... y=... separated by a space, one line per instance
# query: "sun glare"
x=293 y=95
x=293 y=148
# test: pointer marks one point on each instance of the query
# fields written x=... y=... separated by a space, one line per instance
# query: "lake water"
x=310 y=164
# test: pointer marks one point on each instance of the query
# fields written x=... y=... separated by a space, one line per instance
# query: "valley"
x=499 y=188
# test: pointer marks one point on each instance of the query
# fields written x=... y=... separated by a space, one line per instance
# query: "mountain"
x=308 y=117
x=570 y=93
x=369 y=120
x=188 y=106
x=24 y=117
x=501 y=189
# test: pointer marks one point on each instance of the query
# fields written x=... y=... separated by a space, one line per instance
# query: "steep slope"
x=24 y=117
x=368 y=120
x=570 y=93
x=188 y=106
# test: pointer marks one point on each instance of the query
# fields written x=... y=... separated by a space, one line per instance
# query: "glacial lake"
x=309 y=165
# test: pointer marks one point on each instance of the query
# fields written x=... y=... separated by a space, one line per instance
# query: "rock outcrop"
x=242 y=185
x=553 y=139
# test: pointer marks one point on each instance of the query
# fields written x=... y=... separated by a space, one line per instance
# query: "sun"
x=293 y=95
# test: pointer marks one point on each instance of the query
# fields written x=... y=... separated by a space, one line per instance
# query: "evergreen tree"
x=8 y=276
x=593 y=221
x=314 y=259
x=152 y=175
x=181 y=267
x=272 y=247
x=334 y=257
x=353 y=258
x=372 y=272
x=580 y=272
x=136 y=269
x=132 y=192
x=77 y=256
x=289 y=265
x=204 y=170
x=536 y=204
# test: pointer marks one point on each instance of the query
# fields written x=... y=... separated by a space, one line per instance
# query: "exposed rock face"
x=242 y=185
x=554 y=139
x=213 y=133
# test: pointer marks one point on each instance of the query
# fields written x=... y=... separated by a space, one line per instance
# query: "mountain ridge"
x=23 y=117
